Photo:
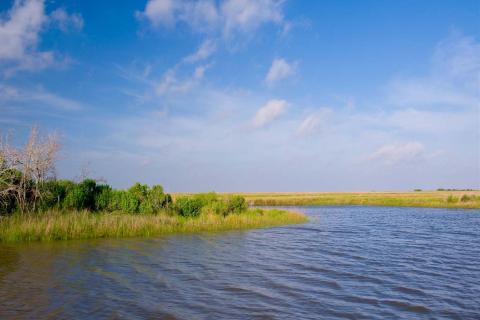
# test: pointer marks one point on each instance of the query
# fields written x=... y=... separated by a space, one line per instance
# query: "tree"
x=24 y=170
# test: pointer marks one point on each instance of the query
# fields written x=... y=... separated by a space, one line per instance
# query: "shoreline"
x=68 y=225
x=425 y=199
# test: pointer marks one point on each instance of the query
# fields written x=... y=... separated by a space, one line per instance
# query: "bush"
x=103 y=197
x=53 y=193
x=237 y=204
x=188 y=206
x=81 y=196
x=206 y=198
x=155 y=200
x=121 y=200
x=452 y=199
x=218 y=207
x=224 y=207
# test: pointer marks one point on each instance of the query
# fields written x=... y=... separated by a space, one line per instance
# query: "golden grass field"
x=434 y=199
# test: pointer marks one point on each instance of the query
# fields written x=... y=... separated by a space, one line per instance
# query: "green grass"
x=56 y=225
x=434 y=199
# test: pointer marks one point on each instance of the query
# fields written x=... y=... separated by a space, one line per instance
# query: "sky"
x=249 y=95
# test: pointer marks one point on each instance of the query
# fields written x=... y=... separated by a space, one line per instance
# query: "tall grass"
x=64 y=225
x=434 y=199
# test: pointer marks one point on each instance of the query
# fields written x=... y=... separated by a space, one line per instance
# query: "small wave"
x=406 y=306
x=409 y=290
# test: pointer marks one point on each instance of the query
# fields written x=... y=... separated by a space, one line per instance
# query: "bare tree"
x=23 y=170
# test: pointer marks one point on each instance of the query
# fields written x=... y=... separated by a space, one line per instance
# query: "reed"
x=434 y=199
x=65 y=225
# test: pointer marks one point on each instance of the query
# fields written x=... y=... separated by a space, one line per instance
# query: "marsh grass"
x=64 y=225
x=434 y=199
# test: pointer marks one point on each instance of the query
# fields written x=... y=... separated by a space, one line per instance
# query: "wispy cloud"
x=313 y=123
x=269 y=112
x=248 y=15
x=399 y=153
x=453 y=79
x=171 y=83
x=206 y=49
x=66 y=21
x=10 y=94
x=279 y=70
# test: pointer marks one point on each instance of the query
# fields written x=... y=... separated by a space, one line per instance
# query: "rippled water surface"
x=346 y=262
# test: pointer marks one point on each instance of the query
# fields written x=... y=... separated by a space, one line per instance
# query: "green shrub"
x=452 y=199
x=121 y=200
x=155 y=200
x=103 y=197
x=81 y=196
x=140 y=191
x=188 y=206
x=218 y=207
x=224 y=207
x=237 y=204
x=466 y=198
x=206 y=198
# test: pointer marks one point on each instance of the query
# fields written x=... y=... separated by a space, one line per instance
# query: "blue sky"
x=244 y=95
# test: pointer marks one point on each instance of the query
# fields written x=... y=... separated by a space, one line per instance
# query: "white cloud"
x=171 y=83
x=280 y=69
x=269 y=112
x=12 y=94
x=228 y=17
x=206 y=49
x=66 y=21
x=248 y=15
x=313 y=123
x=160 y=12
x=399 y=153
x=201 y=15
x=20 y=30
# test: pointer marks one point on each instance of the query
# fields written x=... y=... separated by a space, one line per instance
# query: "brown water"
x=347 y=262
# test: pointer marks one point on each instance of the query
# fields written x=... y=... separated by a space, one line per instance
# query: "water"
x=346 y=263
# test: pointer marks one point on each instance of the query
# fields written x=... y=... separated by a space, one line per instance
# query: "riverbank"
x=66 y=225
x=432 y=199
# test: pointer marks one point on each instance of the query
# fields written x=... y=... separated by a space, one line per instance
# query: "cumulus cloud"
x=269 y=112
x=280 y=69
x=229 y=16
x=20 y=30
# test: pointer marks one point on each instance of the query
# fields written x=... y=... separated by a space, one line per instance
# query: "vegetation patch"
x=36 y=206
x=434 y=199
x=64 y=225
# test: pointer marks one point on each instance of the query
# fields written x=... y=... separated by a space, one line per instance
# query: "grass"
x=434 y=199
x=56 y=225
